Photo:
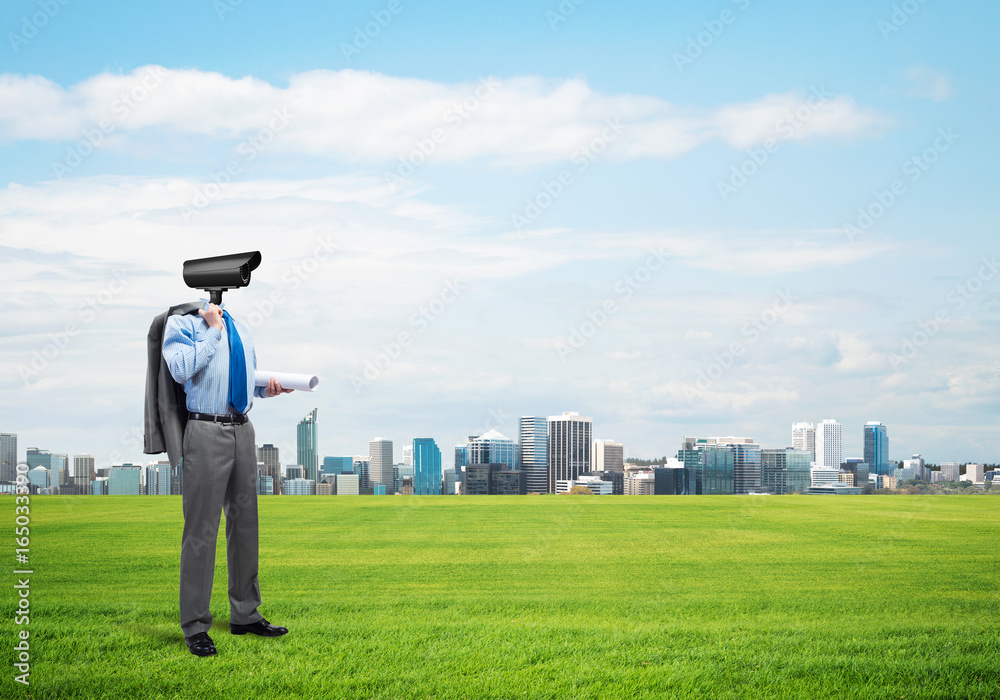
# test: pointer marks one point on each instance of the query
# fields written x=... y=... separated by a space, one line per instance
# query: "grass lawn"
x=529 y=597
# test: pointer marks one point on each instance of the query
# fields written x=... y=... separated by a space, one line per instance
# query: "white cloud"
x=928 y=83
x=359 y=116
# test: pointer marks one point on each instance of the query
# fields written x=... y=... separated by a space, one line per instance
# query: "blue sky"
x=592 y=163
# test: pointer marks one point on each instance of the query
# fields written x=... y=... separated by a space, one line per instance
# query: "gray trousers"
x=219 y=472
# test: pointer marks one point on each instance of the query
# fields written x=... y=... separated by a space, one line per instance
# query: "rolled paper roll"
x=299 y=382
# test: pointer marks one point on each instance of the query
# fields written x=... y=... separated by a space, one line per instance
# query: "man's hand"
x=273 y=388
x=213 y=317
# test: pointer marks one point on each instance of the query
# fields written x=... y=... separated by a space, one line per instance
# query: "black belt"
x=237 y=418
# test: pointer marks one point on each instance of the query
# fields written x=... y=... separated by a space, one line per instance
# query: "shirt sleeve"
x=184 y=353
x=258 y=391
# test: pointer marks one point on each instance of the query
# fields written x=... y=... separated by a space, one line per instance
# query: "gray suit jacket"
x=166 y=403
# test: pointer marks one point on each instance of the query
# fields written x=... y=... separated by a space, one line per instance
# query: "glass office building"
x=713 y=466
x=307 y=445
x=877 y=448
x=786 y=470
x=492 y=447
x=534 y=452
x=570 y=440
x=124 y=481
x=426 y=467
x=338 y=465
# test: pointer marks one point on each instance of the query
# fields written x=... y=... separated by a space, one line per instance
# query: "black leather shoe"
x=201 y=644
x=261 y=627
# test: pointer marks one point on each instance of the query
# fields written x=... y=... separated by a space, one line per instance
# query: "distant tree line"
x=921 y=487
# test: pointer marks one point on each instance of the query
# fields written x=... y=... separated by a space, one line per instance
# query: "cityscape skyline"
x=492 y=446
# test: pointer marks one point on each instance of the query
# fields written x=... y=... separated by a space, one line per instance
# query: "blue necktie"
x=237 y=367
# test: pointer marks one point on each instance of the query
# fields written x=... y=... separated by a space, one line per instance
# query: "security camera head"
x=221 y=273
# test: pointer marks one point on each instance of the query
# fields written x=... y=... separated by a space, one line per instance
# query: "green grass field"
x=530 y=597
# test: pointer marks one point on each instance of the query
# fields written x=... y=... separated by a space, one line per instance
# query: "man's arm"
x=184 y=355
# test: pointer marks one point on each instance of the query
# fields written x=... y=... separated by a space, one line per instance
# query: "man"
x=213 y=357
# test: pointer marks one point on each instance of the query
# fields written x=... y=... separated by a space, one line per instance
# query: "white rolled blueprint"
x=299 y=382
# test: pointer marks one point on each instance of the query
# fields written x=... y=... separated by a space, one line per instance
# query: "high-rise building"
x=916 y=463
x=671 y=480
x=380 y=462
x=270 y=457
x=158 y=478
x=338 y=465
x=877 y=448
x=493 y=479
x=713 y=466
x=534 y=457
x=785 y=470
x=642 y=483
x=8 y=457
x=950 y=471
x=265 y=483
x=308 y=455
x=124 y=480
x=609 y=456
x=746 y=462
x=40 y=479
x=804 y=438
x=408 y=455
x=829 y=442
x=859 y=470
x=83 y=473
x=570 y=437
x=974 y=473
x=361 y=467
x=300 y=487
x=426 y=467
x=347 y=484
x=42 y=458
x=820 y=475
x=492 y=447
x=460 y=461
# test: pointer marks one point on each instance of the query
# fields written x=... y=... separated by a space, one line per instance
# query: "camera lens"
x=245 y=274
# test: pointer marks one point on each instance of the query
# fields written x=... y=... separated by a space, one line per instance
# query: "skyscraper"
x=492 y=447
x=804 y=438
x=8 y=456
x=828 y=444
x=426 y=467
x=124 y=480
x=710 y=467
x=877 y=447
x=569 y=447
x=746 y=462
x=83 y=470
x=307 y=453
x=270 y=456
x=609 y=456
x=786 y=470
x=42 y=458
x=460 y=460
x=158 y=479
x=380 y=462
x=338 y=465
x=361 y=469
x=534 y=458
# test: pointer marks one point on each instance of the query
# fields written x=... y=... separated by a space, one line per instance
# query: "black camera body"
x=221 y=273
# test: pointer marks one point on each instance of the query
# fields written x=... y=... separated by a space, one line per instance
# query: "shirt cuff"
x=213 y=334
x=258 y=391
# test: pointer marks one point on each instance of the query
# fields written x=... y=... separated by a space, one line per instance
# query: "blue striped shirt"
x=197 y=355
